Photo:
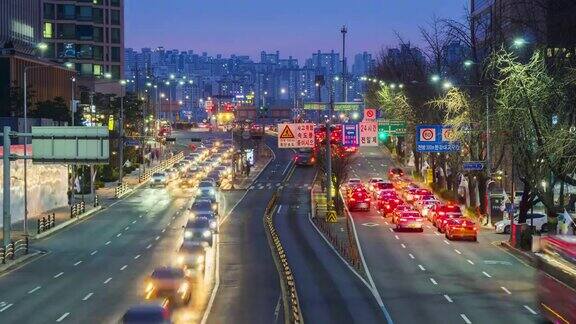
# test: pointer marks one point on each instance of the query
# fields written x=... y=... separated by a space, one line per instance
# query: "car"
x=203 y=195
x=353 y=182
x=425 y=201
x=448 y=211
x=372 y=182
x=398 y=211
x=427 y=206
x=149 y=313
x=409 y=193
x=168 y=282
x=203 y=205
x=172 y=174
x=409 y=220
x=207 y=187
x=441 y=209
x=359 y=200
x=387 y=202
x=461 y=228
x=379 y=187
x=421 y=193
x=159 y=179
x=395 y=173
x=180 y=167
x=304 y=157
x=539 y=219
x=224 y=170
x=216 y=175
x=191 y=257
x=198 y=230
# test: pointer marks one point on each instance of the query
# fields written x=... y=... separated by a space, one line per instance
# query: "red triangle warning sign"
x=286 y=133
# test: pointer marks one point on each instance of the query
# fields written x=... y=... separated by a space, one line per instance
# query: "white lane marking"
x=391 y=230
x=140 y=216
x=411 y=256
x=530 y=310
x=94 y=252
x=433 y=281
x=163 y=230
x=396 y=236
x=5 y=307
x=119 y=234
x=107 y=280
x=123 y=267
x=34 y=290
x=428 y=227
x=107 y=243
x=279 y=209
x=403 y=246
x=149 y=246
x=448 y=298
x=58 y=275
x=136 y=257
x=436 y=233
x=157 y=238
x=486 y=274
x=465 y=318
x=506 y=290
x=61 y=318
x=87 y=296
x=470 y=261
x=447 y=243
x=134 y=222
x=126 y=228
x=421 y=267
x=385 y=222
x=77 y=263
x=455 y=250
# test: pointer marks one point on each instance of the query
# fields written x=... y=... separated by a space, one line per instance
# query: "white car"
x=353 y=182
x=540 y=220
x=159 y=179
x=372 y=182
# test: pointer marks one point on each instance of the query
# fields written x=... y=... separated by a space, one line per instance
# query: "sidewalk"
x=243 y=182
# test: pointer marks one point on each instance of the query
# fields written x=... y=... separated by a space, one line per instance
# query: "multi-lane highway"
x=424 y=278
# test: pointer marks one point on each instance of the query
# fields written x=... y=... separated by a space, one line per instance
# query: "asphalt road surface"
x=424 y=278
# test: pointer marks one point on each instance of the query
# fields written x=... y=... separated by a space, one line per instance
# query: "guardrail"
x=46 y=223
x=77 y=209
x=164 y=164
x=120 y=190
x=292 y=311
x=14 y=249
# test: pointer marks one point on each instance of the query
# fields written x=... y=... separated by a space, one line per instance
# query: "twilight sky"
x=294 y=27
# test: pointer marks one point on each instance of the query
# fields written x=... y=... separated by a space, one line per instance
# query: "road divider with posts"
x=292 y=311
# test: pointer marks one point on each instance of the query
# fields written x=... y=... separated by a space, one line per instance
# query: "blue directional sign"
x=473 y=166
x=350 y=135
x=131 y=142
x=435 y=138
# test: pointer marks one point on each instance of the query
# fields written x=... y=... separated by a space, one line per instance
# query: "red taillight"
x=474 y=228
x=444 y=222
x=441 y=213
x=367 y=199
x=352 y=199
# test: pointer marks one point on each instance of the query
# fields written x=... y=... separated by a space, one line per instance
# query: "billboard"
x=72 y=144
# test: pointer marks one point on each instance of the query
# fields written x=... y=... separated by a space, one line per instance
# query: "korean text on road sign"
x=296 y=135
x=350 y=136
x=369 y=133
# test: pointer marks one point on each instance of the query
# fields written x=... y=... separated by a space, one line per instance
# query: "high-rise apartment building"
x=88 y=33
x=20 y=25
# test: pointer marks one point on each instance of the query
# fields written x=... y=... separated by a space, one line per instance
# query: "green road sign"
x=392 y=127
x=314 y=106
x=346 y=106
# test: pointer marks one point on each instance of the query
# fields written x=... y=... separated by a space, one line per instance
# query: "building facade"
x=87 y=33
x=20 y=25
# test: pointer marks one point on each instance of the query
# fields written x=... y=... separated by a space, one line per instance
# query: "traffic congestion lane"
x=441 y=255
x=249 y=290
x=328 y=291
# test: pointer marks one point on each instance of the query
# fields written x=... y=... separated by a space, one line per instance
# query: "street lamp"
x=468 y=63
x=435 y=78
x=172 y=76
x=283 y=91
x=447 y=85
x=519 y=42
x=121 y=132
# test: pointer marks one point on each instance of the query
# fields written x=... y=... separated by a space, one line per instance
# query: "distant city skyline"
x=248 y=27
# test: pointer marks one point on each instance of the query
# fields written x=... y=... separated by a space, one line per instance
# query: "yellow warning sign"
x=331 y=216
x=287 y=133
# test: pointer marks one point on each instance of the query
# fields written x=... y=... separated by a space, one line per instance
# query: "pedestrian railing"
x=77 y=209
x=163 y=165
x=47 y=222
x=120 y=190
x=14 y=250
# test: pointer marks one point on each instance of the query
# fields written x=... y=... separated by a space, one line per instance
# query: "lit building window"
x=48 y=30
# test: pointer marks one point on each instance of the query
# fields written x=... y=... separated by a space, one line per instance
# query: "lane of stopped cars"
x=171 y=286
x=408 y=205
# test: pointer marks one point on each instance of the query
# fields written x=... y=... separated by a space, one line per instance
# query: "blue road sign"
x=435 y=138
x=350 y=135
x=131 y=142
x=473 y=166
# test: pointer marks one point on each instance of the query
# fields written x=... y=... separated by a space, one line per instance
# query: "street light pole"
x=344 y=30
x=121 y=136
x=25 y=154
x=73 y=109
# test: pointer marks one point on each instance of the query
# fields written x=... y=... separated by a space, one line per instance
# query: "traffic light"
x=382 y=133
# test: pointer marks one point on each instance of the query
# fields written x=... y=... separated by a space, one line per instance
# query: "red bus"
x=556 y=286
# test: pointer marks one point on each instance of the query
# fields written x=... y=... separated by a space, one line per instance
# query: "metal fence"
x=47 y=222
x=14 y=250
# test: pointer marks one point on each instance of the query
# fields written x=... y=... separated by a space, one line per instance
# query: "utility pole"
x=488 y=166
x=6 y=216
x=344 y=30
x=73 y=108
x=25 y=155
x=121 y=140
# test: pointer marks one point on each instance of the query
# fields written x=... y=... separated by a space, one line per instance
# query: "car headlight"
x=187 y=234
x=213 y=224
x=192 y=215
x=200 y=259
x=214 y=206
x=207 y=234
x=149 y=287
x=180 y=260
x=183 y=288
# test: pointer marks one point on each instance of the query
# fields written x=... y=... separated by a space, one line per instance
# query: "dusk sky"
x=294 y=27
